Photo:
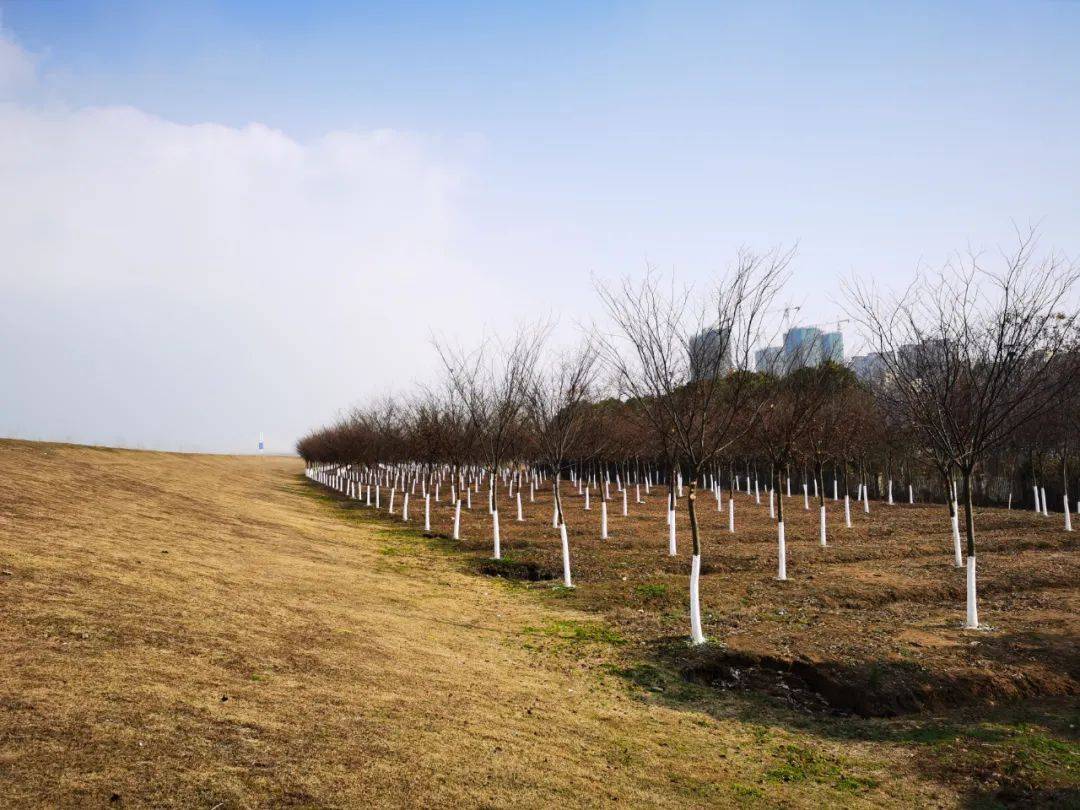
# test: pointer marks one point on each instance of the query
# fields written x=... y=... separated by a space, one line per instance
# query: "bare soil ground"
x=204 y=631
x=870 y=625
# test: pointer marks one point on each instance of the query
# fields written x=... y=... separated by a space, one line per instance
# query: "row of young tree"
x=973 y=401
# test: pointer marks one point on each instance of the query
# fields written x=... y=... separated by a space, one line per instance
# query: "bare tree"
x=557 y=410
x=491 y=382
x=789 y=406
x=691 y=392
x=832 y=385
x=972 y=354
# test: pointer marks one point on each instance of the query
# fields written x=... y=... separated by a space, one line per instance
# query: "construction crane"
x=788 y=310
x=825 y=324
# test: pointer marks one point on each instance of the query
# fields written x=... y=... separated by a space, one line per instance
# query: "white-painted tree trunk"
x=972 y=622
x=866 y=499
x=405 y=509
x=805 y=497
x=377 y=496
x=565 y=556
x=603 y=520
x=587 y=507
x=1035 y=489
x=519 y=517
x=958 y=557
x=821 y=531
x=772 y=513
x=1068 y=514
x=781 y=570
x=789 y=487
x=468 y=498
x=757 y=492
x=731 y=515
x=910 y=494
x=1046 y=512
x=696 y=635
x=890 y=492
x=457 y=519
x=637 y=493
x=427 y=512
x=671 y=536
x=847 y=510
x=495 y=534
x=624 y=504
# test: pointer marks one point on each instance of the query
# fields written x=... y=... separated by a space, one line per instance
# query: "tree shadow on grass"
x=1023 y=753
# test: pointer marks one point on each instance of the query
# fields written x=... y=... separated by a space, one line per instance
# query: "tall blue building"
x=832 y=344
x=803 y=346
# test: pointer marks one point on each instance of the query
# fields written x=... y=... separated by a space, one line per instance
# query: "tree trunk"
x=781 y=566
x=847 y=496
x=821 y=502
x=1065 y=487
x=561 y=520
x=954 y=519
x=972 y=621
x=696 y=634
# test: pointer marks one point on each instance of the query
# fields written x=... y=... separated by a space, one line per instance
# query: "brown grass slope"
x=205 y=631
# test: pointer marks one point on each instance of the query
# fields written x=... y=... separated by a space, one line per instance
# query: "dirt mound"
x=515 y=569
x=867 y=689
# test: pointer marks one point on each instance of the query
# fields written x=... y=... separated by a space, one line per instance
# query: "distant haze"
x=225 y=220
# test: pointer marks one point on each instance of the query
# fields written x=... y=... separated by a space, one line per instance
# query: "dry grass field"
x=206 y=631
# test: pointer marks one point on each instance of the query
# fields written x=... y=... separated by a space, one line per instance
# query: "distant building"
x=918 y=357
x=710 y=353
x=868 y=366
x=804 y=346
x=769 y=360
x=832 y=346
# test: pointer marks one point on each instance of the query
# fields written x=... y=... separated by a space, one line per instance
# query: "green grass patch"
x=799 y=764
x=570 y=630
x=651 y=591
x=561 y=591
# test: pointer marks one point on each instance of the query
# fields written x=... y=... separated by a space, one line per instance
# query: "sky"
x=221 y=219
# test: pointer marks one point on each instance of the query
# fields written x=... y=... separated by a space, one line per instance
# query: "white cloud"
x=188 y=286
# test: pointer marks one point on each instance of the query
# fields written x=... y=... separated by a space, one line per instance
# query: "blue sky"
x=581 y=138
